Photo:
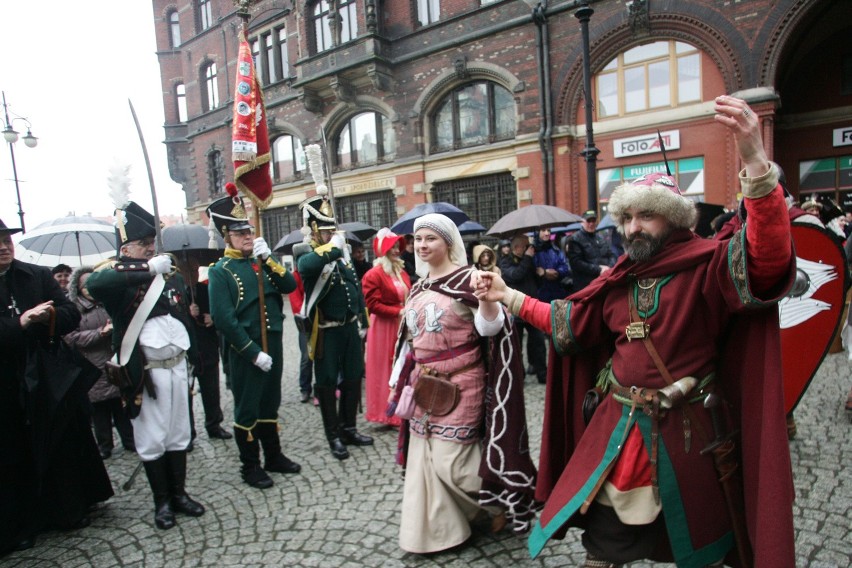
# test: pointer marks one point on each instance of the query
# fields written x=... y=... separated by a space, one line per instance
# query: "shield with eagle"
x=810 y=314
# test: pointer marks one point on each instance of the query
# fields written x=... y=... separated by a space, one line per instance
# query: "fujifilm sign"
x=645 y=144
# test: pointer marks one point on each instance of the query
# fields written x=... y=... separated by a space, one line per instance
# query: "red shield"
x=810 y=315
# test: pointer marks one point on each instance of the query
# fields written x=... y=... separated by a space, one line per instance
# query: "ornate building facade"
x=480 y=102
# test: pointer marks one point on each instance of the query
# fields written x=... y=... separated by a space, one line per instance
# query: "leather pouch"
x=591 y=401
x=117 y=375
x=436 y=395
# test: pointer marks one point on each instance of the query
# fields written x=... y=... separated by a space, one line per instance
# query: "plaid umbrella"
x=72 y=240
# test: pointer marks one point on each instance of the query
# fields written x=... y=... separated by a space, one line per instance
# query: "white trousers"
x=163 y=423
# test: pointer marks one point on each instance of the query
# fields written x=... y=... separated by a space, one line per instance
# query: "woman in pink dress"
x=385 y=287
x=471 y=460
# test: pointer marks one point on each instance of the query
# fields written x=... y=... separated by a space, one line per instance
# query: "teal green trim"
x=656 y=305
x=573 y=347
x=541 y=534
x=675 y=514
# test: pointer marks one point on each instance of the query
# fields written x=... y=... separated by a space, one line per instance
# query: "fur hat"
x=655 y=192
x=74 y=284
x=385 y=241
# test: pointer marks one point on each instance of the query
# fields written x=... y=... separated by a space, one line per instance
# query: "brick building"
x=480 y=102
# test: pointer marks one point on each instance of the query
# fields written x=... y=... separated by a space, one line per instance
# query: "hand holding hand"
x=263 y=362
x=261 y=249
x=487 y=286
x=160 y=264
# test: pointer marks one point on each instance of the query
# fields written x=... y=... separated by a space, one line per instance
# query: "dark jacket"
x=519 y=273
x=586 y=253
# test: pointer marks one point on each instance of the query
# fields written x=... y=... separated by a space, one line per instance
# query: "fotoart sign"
x=645 y=144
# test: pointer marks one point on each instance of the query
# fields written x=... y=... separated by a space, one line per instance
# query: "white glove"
x=362 y=332
x=160 y=264
x=261 y=249
x=337 y=241
x=263 y=362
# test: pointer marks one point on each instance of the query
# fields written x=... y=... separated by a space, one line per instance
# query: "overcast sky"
x=70 y=68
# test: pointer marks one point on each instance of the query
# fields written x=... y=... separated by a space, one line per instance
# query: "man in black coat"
x=518 y=271
x=588 y=253
x=52 y=485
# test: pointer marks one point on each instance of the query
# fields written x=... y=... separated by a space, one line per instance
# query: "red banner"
x=250 y=139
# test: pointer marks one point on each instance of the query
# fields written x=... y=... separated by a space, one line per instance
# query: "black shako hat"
x=5 y=229
x=229 y=213
x=132 y=223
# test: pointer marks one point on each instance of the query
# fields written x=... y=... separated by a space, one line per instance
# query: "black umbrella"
x=186 y=240
x=531 y=218
x=285 y=245
x=361 y=230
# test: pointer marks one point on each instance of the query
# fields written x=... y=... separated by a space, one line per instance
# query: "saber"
x=129 y=483
x=150 y=179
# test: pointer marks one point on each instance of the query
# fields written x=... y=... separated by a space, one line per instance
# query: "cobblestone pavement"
x=346 y=513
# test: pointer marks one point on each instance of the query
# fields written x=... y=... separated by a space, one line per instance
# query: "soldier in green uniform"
x=235 y=307
x=335 y=305
x=157 y=398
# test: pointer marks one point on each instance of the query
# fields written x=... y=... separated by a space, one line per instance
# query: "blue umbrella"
x=405 y=224
x=470 y=228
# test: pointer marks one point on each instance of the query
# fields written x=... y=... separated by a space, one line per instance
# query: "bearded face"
x=642 y=246
x=645 y=233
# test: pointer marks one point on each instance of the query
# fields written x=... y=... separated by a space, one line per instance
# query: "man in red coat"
x=681 y=338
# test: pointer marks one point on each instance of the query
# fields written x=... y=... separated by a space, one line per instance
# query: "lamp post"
x=590 y=152
x=11 y=136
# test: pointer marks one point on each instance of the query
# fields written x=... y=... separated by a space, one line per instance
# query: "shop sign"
x=843 y=136
x=645 y=144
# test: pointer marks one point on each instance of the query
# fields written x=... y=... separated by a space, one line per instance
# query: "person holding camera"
x=255 y=369
x=155 y=374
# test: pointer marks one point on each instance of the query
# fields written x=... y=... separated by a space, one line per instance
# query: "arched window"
x=205 y=14
x=288 y=158
x=662 y=74
x=174 y=28
x=474 y=114
x=215 y=172
x=180 y=99
x=366 y=139
x=210 y=93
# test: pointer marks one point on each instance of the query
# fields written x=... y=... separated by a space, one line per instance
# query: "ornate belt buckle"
x=637 y=330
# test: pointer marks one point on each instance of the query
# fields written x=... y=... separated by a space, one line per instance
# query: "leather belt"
x=166 y=363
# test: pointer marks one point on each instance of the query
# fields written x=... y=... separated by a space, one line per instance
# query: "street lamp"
x=11 y=136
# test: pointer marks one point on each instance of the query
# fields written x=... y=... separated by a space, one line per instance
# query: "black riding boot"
x=251 y=471
x=273 y=459
x=328 y=410
x=350 y=396
x=158 y=476
x=181 y=502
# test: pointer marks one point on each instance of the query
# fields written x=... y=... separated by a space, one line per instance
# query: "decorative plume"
x=313 y=153
x=119 y=184
x=231 y=189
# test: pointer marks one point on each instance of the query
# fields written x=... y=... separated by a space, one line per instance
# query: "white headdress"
x=448 y=230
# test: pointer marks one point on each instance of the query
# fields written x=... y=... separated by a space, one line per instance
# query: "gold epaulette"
x=107 y=264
